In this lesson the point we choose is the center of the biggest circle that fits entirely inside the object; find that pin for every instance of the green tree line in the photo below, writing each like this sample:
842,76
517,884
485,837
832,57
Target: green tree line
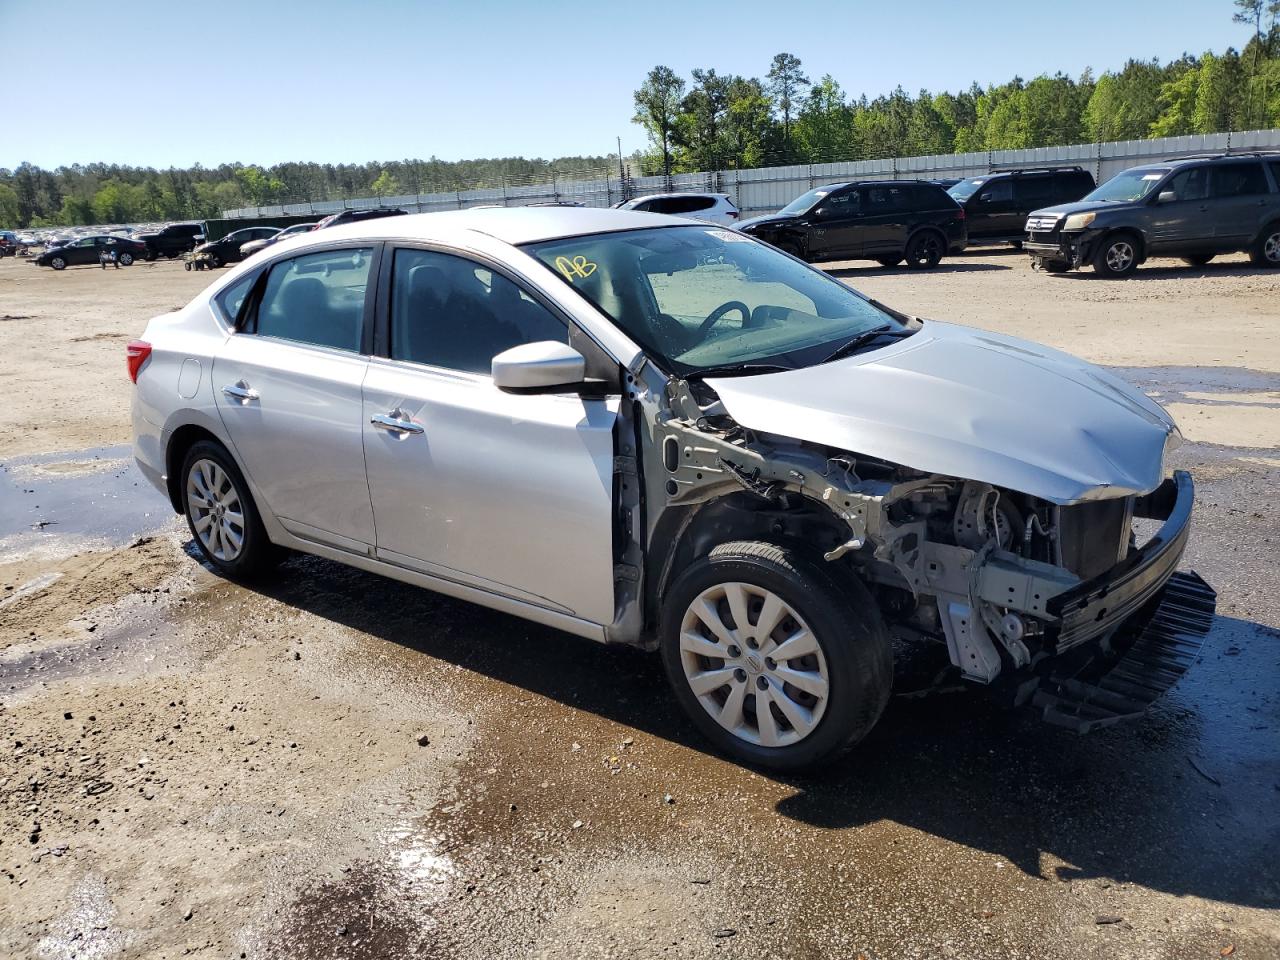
718,121
721,121
111,193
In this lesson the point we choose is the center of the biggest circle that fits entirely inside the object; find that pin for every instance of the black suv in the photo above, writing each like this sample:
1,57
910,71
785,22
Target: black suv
1193,208
884,220
996,205
173,240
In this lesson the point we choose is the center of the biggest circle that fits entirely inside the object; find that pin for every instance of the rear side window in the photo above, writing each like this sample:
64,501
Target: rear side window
886,199
931,197
1034,191
450,312
317,299
1275,172
231,299
1071,186
1238,180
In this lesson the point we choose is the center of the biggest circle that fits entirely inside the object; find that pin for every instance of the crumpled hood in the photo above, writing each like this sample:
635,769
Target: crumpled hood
766,221
972,405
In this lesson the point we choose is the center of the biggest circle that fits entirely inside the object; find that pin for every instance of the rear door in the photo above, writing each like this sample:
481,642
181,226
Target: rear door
1240,202
1031,191
287,387
509,494
887,217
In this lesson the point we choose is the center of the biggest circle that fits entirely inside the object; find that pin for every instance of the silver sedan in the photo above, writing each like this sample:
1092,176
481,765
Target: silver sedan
651,432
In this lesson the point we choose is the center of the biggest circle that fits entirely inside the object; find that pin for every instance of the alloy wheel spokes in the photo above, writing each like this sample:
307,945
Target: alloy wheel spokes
217,516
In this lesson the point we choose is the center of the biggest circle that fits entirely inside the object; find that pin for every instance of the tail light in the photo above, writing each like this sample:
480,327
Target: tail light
961,216
732,213
136,353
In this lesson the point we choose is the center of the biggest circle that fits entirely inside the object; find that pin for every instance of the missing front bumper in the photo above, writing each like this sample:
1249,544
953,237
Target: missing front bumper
1138,664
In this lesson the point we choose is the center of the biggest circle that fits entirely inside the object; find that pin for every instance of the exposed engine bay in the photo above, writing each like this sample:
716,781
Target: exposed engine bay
986,570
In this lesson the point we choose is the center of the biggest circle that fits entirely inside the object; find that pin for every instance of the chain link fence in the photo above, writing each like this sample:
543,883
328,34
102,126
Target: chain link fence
766,189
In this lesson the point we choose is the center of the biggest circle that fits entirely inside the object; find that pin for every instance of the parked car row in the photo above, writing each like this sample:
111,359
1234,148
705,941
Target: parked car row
1195,208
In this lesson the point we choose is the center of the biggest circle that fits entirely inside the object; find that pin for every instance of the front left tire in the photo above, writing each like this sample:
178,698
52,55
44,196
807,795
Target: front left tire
221,514
126,259
776,662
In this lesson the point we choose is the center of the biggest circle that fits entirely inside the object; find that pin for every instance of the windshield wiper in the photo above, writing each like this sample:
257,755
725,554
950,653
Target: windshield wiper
729,369
862,339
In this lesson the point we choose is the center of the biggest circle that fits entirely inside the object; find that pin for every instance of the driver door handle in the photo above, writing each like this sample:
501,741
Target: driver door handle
395,424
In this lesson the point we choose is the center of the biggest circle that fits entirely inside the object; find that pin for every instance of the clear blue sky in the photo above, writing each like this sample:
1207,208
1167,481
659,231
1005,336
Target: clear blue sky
176,82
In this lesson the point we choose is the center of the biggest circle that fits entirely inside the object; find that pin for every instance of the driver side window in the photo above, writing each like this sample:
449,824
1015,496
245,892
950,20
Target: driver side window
841,205
454,313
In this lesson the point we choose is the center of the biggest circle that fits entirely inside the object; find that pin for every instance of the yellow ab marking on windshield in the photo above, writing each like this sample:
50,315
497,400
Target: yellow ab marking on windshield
578,267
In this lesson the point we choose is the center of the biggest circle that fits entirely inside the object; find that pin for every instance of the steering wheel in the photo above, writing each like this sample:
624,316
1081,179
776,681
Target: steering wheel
716,315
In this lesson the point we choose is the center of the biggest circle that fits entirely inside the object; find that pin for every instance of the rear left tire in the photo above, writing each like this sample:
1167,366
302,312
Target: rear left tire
776,662
1266,250
221,514
126,259
924,250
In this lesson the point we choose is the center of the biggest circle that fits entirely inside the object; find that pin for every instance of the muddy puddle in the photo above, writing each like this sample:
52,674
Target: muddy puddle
95,495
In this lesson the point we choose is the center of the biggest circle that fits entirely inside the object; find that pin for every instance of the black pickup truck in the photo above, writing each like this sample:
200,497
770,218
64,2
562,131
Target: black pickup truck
173,240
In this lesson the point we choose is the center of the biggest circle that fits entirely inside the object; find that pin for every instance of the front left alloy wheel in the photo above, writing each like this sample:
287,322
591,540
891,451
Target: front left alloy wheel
221,514
774,661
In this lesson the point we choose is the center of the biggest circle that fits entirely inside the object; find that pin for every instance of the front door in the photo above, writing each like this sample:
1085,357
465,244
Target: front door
511,494
288,391
1181,222
993,213
837,226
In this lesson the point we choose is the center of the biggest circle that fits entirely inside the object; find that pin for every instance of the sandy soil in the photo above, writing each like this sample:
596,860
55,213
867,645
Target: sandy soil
334,765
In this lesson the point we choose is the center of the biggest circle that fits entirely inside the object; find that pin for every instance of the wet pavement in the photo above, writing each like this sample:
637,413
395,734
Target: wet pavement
544,797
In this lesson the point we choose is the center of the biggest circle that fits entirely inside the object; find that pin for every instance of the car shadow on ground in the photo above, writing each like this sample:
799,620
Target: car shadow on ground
1132,803
1179,271
843,270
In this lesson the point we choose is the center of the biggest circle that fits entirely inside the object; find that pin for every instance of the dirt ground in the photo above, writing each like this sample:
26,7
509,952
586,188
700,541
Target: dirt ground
336,765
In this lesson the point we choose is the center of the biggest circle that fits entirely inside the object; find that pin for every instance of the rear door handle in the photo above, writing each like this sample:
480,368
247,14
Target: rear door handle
240,391
393,423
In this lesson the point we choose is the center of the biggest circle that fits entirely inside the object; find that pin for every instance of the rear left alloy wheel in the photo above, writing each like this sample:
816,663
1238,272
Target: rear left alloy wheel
774,661
221,513
126,259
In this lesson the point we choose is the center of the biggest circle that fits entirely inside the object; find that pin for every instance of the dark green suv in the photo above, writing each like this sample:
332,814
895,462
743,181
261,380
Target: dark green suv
1194,208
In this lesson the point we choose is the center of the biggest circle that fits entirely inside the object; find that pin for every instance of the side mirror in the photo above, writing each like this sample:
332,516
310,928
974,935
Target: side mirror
543,367
1166,196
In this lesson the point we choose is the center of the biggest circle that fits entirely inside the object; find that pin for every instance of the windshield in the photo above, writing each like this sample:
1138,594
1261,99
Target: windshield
965,189
1128,186
806,201
696,298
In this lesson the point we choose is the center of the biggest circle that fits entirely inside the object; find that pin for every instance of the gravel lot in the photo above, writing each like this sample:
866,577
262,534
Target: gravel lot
336,765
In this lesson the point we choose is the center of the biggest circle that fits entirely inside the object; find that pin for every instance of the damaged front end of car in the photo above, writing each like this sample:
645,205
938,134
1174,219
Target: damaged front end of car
1055,604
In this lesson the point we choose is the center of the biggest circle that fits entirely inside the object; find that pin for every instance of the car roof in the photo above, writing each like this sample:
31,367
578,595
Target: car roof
513,225
678,193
